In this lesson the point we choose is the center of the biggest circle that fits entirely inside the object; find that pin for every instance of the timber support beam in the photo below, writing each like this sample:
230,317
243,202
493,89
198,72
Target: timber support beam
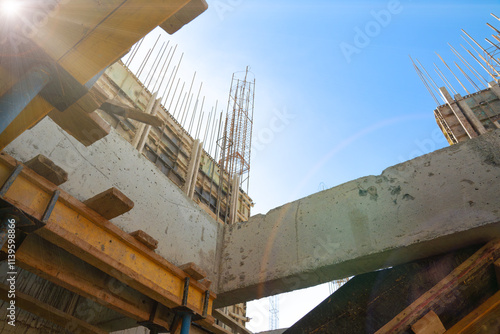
72,226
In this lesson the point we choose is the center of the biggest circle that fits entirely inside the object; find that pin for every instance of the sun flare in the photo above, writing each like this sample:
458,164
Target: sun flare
10,7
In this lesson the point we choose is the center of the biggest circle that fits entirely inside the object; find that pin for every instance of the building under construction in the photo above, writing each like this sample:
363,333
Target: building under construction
122,212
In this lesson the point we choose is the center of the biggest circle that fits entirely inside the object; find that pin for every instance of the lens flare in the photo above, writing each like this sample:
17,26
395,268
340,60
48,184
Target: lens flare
10,7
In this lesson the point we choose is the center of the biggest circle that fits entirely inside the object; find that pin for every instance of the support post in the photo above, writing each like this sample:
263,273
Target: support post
21,94
464,122
476,123
235,194
194,166
142,126
186,323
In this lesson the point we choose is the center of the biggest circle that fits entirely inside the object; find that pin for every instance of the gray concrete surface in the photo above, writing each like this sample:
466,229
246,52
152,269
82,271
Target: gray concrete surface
185,233
435,203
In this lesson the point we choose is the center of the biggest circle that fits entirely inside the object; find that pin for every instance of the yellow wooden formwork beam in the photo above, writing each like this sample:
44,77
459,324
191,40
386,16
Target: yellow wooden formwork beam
86,36
88,236
109,32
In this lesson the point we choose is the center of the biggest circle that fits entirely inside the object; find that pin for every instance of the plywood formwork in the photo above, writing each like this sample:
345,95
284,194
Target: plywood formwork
484,109
169,146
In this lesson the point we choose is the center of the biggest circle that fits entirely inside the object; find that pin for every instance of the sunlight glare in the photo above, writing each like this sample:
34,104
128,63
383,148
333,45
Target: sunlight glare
10,7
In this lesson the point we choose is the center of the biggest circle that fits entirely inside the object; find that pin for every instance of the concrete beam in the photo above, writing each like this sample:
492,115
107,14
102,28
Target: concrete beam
433,204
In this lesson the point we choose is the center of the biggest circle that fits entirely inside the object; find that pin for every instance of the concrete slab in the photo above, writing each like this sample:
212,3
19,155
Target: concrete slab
185,233
430,205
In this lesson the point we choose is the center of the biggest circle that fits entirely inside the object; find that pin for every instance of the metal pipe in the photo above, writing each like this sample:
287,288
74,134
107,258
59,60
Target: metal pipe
163,74
131,59
186,323
189,94
477,60
13,102
154,67
175,74
471,69
479,54
435,86
445,80
492,27
424,81
456,77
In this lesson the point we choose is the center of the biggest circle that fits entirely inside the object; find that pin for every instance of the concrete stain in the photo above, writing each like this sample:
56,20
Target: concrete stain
395,190
373,193
408,197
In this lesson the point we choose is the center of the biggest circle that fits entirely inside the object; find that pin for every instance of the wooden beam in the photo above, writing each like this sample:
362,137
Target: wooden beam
429,324
185,15
194,271
49,313
132,113
484,319
86,128
145,238
444,289
88,236
59,267
109,38
45,167
110,203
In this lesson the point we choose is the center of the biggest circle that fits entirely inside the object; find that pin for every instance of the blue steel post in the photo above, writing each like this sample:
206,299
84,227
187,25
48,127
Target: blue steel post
186,323
21,94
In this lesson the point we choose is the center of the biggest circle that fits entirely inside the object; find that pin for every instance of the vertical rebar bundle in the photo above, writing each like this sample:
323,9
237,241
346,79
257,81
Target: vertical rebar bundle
479,66
236,140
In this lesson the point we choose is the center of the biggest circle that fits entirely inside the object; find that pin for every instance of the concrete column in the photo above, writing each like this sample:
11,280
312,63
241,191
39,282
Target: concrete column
235,194
142,127
193,167
480,129
196,170
458,113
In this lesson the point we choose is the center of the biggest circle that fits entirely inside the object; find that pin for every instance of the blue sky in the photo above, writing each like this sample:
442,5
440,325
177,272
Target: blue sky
345,119
321,120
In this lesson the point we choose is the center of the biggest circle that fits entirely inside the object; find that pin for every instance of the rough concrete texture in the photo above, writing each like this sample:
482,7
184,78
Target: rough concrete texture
185,233
433,204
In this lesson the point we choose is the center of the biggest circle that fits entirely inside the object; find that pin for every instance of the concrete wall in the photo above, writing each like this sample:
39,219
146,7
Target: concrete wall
435,203
184,231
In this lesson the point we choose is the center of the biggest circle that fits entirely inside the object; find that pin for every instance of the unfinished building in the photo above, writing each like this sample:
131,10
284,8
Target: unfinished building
119,218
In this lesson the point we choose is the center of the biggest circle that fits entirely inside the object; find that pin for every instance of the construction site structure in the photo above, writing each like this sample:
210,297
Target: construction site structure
106,241
165,142
477,72
236,140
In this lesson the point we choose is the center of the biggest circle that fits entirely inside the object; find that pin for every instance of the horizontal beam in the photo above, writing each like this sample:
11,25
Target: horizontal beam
49,313
132,113
413,210
85,234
